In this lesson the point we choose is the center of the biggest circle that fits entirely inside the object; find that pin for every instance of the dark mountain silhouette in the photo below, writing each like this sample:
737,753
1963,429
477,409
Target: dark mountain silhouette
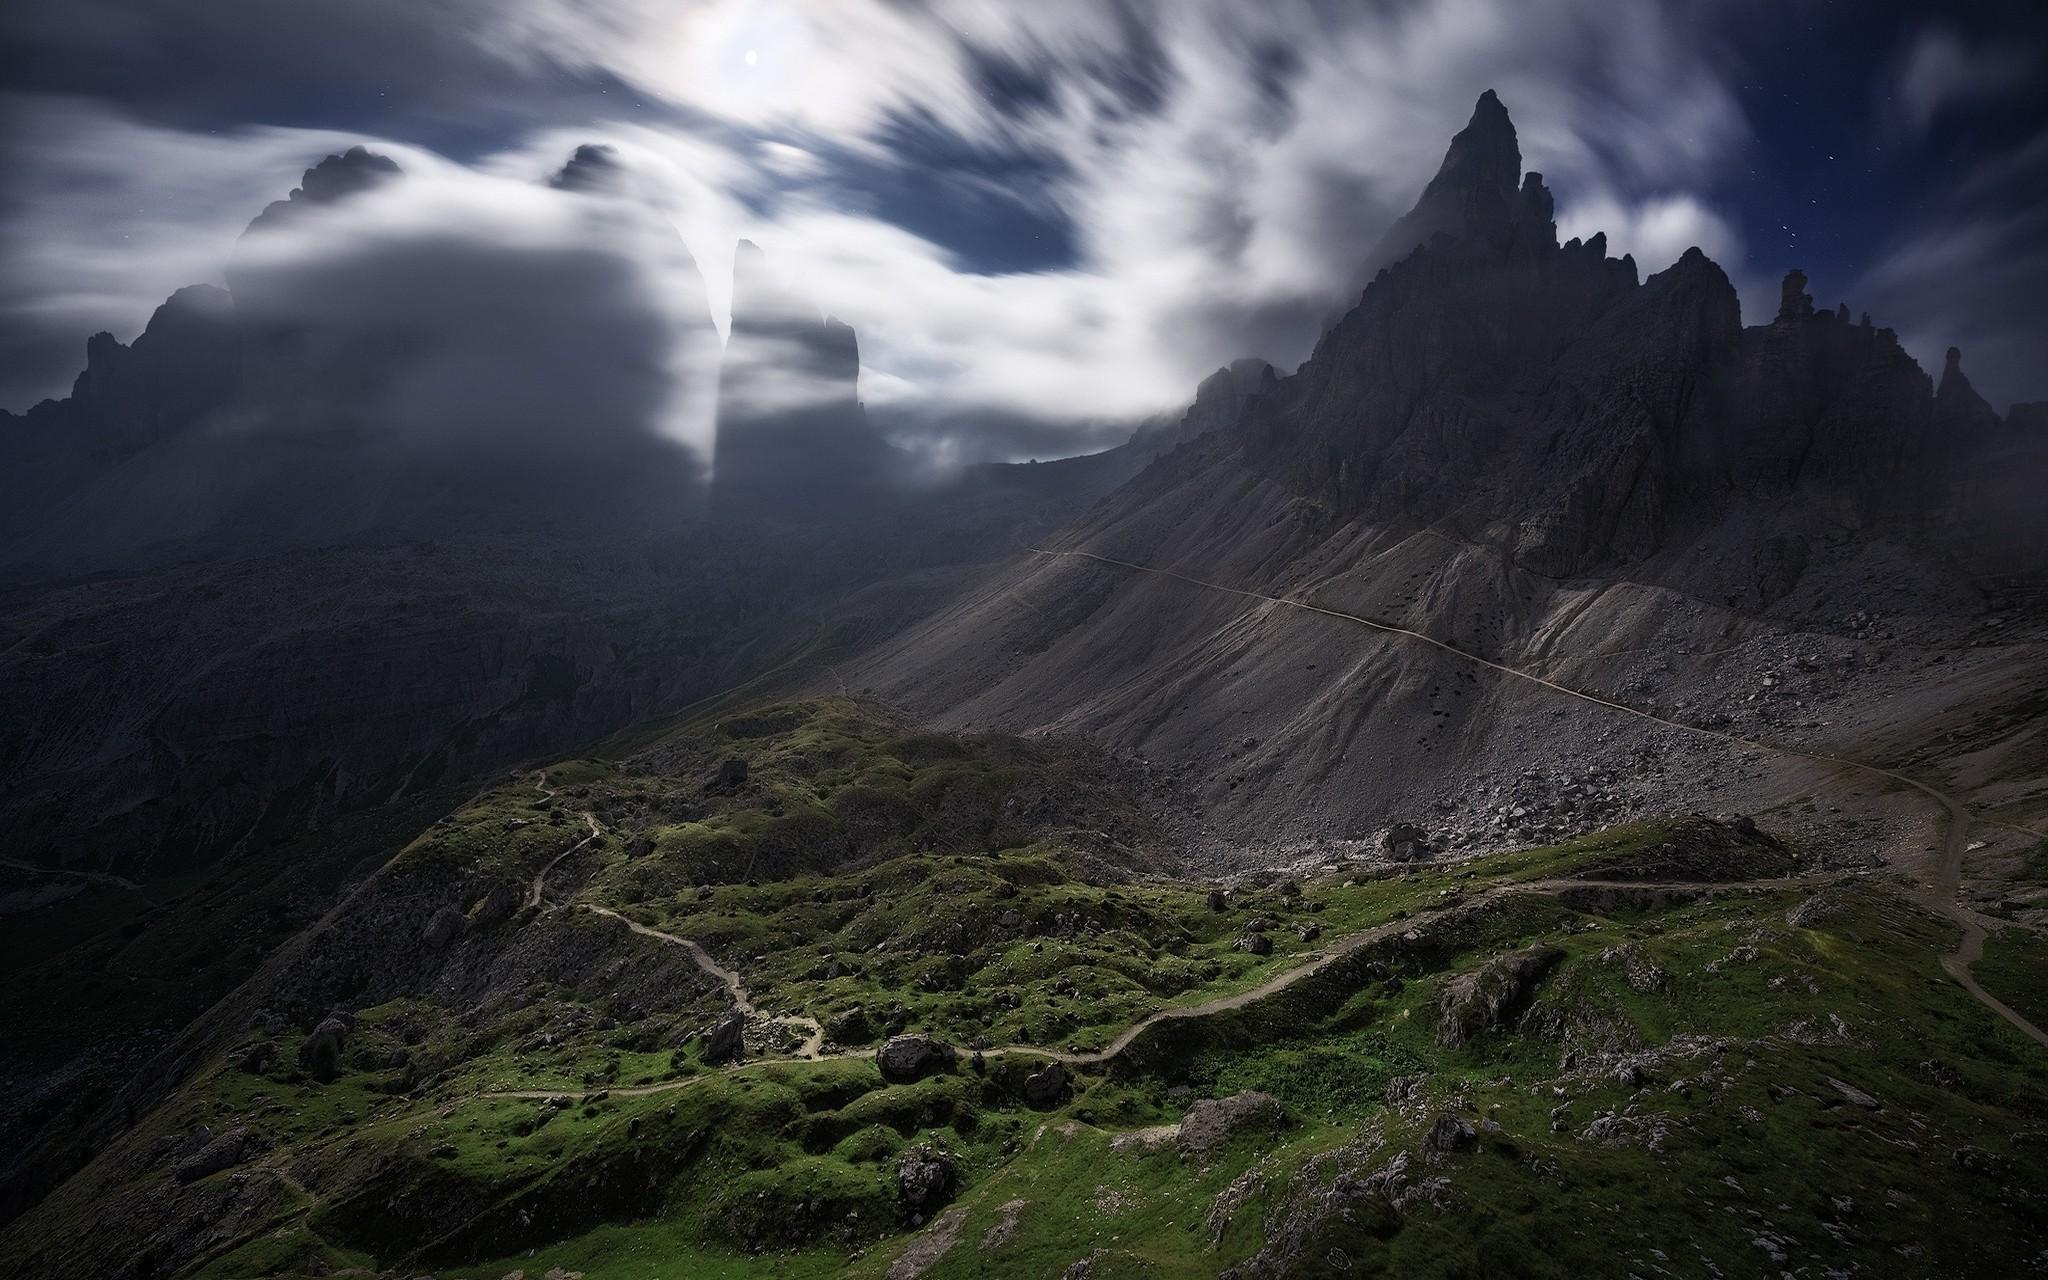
1522,448
791,426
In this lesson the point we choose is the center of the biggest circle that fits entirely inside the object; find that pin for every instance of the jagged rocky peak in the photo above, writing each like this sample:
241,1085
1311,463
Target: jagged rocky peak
790,421
1485,154
594,167
1479,195
334,179
1794,302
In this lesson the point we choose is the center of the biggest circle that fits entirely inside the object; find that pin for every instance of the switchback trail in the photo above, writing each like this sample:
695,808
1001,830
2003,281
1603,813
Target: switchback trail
540,879
1939,897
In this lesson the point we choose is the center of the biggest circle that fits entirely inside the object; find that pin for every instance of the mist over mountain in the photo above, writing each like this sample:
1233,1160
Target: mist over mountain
974,642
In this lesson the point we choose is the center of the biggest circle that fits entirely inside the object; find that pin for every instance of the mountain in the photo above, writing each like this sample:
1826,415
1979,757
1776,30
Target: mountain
1258,850
791,426
1524,451
337,537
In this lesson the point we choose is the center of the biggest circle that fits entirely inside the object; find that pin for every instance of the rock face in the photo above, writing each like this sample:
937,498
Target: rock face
334,179
903,1059
791,426
1490,374
1493,996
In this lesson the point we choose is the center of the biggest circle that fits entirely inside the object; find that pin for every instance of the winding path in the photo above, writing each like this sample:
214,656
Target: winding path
735,986
1940,897
536,892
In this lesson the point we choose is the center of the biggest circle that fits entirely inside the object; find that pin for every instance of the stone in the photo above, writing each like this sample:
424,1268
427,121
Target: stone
1257,944
445,927
225,1152
925,1180
850,1026
903,1059
1405,842
1451,1134
1045,1088
1211,1123
496,907
1853,1096
1217,902
726,1041
320,1051
1493,996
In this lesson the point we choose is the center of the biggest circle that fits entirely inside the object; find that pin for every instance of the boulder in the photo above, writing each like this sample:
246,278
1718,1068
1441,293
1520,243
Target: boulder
849,1027
1257,944
496,907
1217,902
903,1059
1451,1133
320,1051
446,926
225,1152
726,1040
925,1180
1210,1123
1045,1088
1405,842
1492,996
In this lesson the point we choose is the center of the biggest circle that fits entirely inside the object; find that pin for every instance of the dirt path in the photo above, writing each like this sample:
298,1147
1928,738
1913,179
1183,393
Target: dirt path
538,889
1314,963
735,986
1940,897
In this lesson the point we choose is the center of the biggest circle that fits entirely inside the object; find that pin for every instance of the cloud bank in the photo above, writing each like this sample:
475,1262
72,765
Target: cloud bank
1040,219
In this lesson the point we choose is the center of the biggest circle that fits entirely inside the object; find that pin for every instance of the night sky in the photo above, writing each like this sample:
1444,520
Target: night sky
1047,219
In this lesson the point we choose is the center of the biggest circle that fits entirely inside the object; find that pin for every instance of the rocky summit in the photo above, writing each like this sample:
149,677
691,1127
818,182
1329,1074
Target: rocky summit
1552,784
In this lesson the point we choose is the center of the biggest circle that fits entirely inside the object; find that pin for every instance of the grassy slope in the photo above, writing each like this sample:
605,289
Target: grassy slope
903,852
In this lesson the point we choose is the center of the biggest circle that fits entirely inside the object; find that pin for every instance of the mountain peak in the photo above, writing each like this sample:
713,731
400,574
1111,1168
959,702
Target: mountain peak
594,167
1478,193
334,179
1485,153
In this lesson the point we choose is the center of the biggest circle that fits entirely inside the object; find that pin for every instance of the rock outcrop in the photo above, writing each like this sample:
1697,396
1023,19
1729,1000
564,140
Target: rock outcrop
1493,996
791,426
904,1059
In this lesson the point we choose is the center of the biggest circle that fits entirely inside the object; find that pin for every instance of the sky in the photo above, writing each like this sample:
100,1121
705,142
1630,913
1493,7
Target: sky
1044,219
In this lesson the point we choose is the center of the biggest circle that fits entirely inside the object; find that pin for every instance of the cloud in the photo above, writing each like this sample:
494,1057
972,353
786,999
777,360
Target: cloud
467,314
1943,72
1970,272
1204,176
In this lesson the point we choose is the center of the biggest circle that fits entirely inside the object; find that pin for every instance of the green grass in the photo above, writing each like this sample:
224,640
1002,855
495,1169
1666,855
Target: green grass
961,886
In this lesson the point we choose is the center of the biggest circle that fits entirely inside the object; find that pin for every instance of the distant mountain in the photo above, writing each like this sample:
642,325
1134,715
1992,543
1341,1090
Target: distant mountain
791,425
1523,449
